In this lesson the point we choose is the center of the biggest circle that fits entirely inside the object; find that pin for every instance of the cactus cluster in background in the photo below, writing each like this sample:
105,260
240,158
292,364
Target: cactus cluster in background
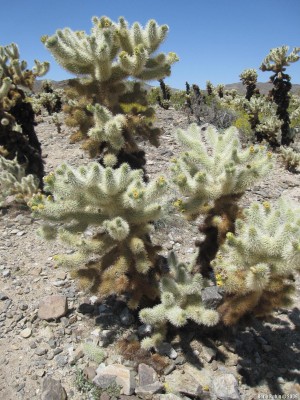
119,258
290,158
180,294
14,182
17,134
256,265
212,175
111,54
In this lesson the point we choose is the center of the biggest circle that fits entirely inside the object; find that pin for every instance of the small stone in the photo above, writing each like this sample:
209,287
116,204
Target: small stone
153,388
53,390
3,296
41,352
183,383
26,333
146,375
179,360
165,349
211,297
89,373
53,307
208,354
144,330
225,387
6,273
86,308
116,373
126,317
267,348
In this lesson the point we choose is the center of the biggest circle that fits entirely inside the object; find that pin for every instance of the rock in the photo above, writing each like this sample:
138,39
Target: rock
169,396
153,388
3,296
53,307
208,354
144,330
53,390
26,333
89,373
146,375
126,317
165,349
225,387
211,297
86,308
183,383
119,374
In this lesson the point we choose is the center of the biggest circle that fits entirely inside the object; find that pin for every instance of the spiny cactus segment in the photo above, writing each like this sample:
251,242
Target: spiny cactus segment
180,294
256,265
14,182
118,206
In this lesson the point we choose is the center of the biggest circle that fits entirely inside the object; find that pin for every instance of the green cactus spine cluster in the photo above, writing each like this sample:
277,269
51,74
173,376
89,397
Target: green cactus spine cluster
111,54
118,206
181,300
256,266
14,182
17,133
212,175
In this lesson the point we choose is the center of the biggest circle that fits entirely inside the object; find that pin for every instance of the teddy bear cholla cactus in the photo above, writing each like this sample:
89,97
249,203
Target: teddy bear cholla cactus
17,133
291,158
277,61
14,182
256,266
120,257
181,301
249,79
108,56
212,176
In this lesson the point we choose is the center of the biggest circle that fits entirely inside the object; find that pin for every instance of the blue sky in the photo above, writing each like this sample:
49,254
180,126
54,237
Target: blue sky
214,39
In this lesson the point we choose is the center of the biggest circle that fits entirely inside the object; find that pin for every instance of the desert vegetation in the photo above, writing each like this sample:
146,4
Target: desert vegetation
107,210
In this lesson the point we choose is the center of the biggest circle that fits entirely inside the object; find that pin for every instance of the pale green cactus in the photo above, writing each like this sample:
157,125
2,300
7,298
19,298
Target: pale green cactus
249,79
181,301
14,182
119,206
256,266
107,57
112,51
215,165
291,158
277,60
212,175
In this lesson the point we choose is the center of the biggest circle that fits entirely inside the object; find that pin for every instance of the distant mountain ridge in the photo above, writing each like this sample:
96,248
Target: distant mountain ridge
264,87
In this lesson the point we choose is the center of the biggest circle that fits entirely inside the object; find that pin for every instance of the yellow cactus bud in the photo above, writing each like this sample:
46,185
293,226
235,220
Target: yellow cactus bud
269,154
251,149
266,205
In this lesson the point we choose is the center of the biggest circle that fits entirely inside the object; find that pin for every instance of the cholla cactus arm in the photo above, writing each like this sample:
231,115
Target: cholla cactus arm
119,206
212,175
180,300
249,79
14,182
290,158
217,167
111,50
256,265
278,59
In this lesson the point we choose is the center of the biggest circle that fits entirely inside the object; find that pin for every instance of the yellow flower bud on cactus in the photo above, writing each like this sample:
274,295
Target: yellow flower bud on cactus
266,205
251,149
